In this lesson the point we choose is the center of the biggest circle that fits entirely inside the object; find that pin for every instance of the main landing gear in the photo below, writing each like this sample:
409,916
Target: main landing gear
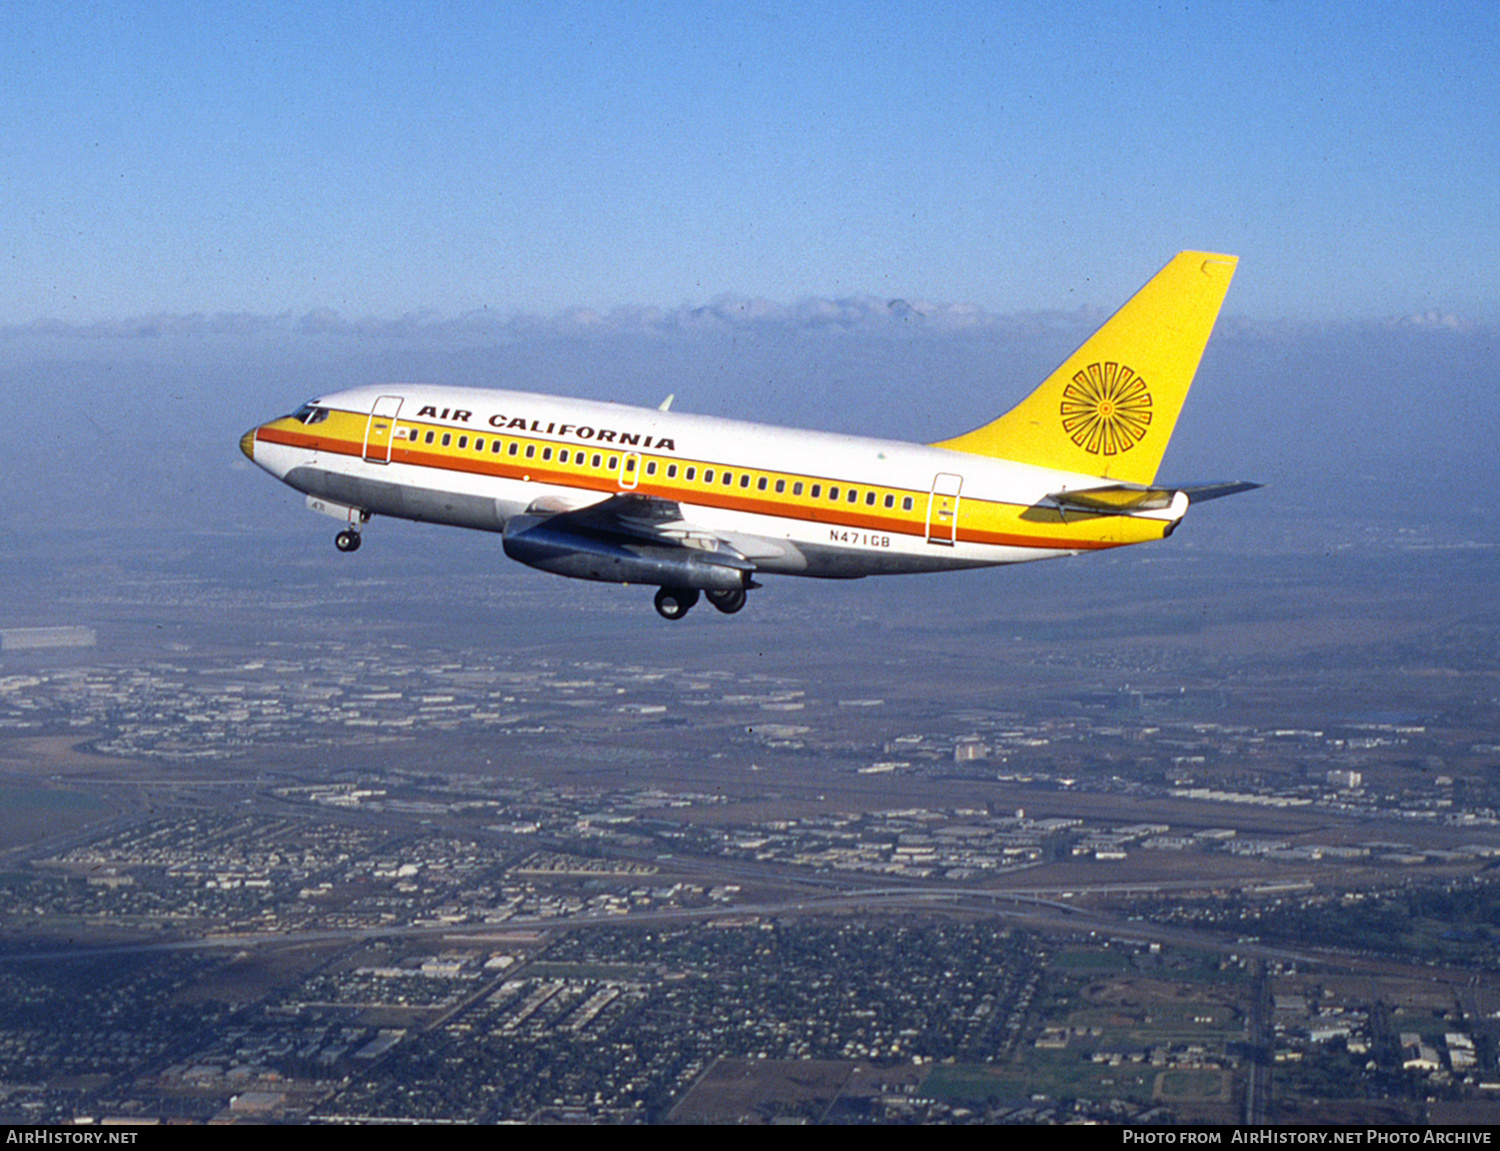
728,601
676,602
347,540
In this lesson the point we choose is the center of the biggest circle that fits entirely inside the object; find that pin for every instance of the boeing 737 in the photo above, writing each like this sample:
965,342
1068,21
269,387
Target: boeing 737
692,504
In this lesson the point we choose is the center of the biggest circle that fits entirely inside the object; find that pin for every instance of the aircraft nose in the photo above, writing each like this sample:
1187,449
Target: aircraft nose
247,444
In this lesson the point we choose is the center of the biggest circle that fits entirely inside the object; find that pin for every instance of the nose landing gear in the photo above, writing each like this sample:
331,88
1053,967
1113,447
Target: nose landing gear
347,540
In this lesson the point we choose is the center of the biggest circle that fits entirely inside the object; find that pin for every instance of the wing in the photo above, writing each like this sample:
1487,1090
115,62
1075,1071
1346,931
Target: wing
625,538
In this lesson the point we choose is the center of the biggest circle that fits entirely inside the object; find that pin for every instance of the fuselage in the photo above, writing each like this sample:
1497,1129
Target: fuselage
792,502
698,506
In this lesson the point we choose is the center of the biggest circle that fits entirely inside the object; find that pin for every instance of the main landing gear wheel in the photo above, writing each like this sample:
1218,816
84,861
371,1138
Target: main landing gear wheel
347,540
728,600
675,602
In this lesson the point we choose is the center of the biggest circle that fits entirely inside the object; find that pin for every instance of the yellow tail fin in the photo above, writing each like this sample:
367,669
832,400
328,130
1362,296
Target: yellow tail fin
1110,408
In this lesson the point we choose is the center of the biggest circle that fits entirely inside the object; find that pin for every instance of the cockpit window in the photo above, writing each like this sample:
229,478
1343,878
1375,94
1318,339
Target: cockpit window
310,414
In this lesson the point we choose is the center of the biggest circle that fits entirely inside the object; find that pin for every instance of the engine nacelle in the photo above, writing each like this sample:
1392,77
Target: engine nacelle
540,542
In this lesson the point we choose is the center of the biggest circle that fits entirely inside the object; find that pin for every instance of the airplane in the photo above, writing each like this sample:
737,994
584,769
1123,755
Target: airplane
695,504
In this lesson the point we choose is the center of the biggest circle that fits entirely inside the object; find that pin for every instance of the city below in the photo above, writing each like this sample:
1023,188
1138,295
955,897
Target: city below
1206,841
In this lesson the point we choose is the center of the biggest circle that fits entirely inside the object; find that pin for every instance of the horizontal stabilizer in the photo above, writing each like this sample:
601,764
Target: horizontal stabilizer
1125,498
1216,490
1118,498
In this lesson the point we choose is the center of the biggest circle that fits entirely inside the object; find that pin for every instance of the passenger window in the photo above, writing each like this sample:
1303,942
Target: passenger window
797,488
817,490
447,438
496,445
463,441
562,456
708,475
514,448
478,444
530,451
853,496
595,462
906,504
728,480
429,438
546,453
671,471
890,501
833,493
869,499
687,475
745,482
780,486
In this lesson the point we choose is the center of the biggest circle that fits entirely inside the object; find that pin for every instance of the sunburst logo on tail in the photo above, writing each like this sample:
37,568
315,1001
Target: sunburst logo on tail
1106,409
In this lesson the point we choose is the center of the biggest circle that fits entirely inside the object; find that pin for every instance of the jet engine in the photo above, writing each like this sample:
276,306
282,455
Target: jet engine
565,549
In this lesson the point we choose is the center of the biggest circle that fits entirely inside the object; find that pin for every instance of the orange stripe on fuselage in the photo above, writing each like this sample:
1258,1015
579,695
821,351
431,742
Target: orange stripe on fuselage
607,481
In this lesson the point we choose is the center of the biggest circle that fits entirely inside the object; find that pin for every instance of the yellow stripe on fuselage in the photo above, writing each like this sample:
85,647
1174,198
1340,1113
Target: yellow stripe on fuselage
981,521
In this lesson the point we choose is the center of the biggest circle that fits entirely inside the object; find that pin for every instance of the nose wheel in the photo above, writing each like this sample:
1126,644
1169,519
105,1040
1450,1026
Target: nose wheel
347,540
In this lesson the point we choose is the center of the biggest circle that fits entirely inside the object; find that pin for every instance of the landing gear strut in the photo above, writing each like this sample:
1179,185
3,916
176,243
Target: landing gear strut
347,540
675,602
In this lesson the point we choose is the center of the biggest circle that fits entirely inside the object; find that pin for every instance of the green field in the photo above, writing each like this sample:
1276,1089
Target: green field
1056,1074
1084,960
1156,1021
28,814
624,972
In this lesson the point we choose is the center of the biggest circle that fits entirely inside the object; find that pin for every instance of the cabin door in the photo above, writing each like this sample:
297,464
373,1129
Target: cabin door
379,429
942,509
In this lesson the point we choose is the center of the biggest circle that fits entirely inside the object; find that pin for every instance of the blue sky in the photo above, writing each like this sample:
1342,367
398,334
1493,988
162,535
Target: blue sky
385,158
